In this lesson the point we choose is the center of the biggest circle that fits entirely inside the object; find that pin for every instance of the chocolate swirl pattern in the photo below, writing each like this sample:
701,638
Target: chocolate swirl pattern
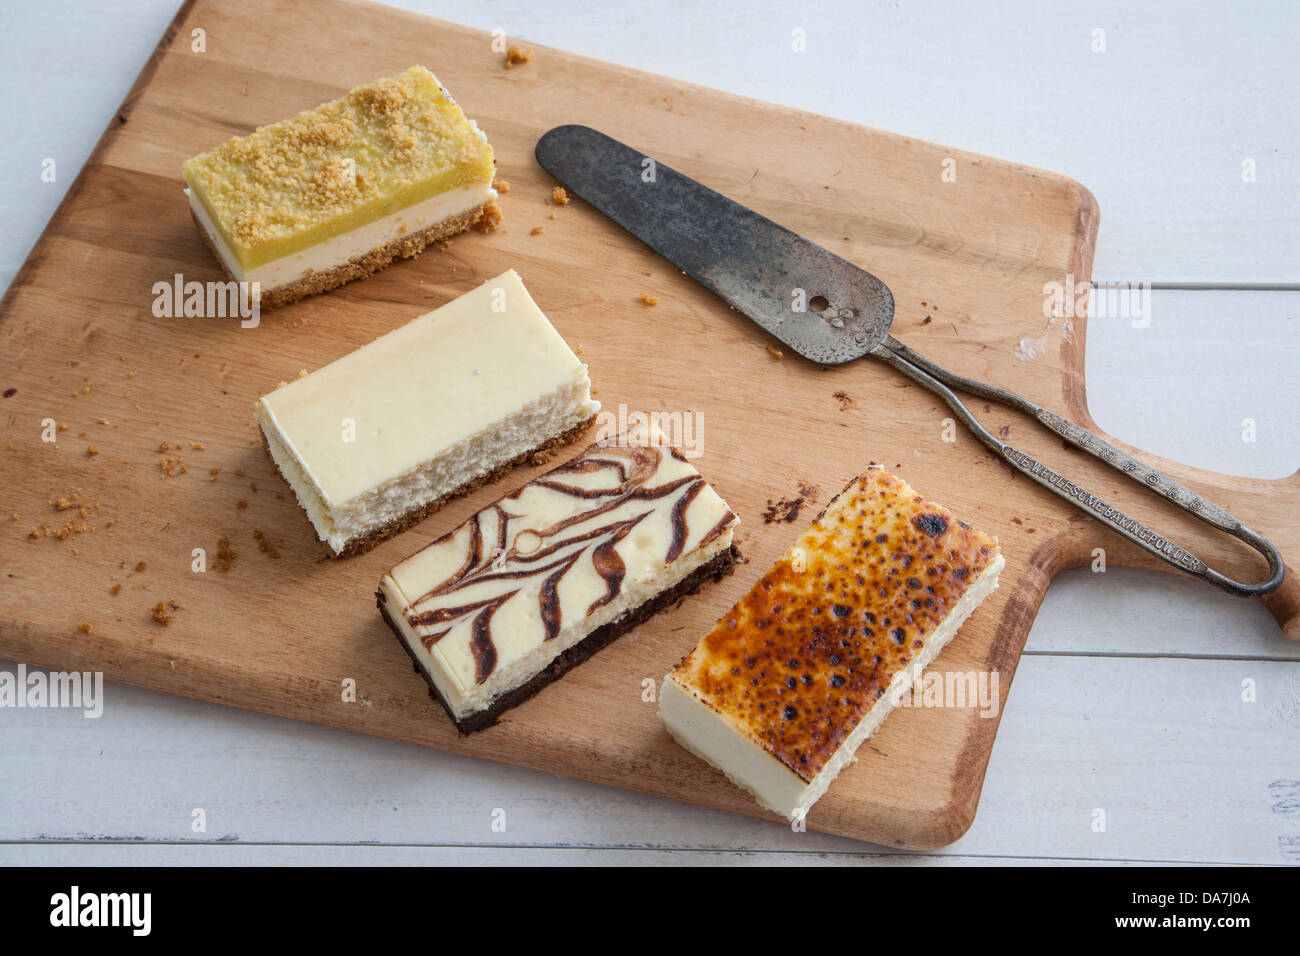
565,553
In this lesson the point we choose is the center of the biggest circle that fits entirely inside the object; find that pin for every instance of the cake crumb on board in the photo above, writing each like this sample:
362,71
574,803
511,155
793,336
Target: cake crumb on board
225,556
518,56
787,510
490,219
264,545
161,612
560,195
172,465
649,299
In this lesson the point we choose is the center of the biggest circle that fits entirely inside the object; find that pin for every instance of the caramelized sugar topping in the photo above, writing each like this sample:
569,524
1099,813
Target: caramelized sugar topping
799,661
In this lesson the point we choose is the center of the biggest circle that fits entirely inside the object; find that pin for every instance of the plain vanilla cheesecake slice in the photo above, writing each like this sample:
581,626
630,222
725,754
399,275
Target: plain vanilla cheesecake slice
789,683
542,579
338,192
376,440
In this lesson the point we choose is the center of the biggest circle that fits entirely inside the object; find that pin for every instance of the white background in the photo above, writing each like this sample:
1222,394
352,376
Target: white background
1128,698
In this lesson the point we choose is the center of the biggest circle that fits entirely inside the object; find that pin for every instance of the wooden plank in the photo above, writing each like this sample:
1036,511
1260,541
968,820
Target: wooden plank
1184,769
1149,742
118,854
1241,349
1155,135
1134,613
979,253
992,80
101,47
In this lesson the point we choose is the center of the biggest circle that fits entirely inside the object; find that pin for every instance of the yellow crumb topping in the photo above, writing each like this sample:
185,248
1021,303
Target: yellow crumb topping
382,147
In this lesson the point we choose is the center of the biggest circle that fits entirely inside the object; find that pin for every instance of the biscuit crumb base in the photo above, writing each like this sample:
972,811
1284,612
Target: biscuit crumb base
539,455
403,247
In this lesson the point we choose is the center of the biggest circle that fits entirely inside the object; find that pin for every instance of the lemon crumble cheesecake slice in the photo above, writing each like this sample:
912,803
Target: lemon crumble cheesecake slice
537,582
373,442
338,192
782,691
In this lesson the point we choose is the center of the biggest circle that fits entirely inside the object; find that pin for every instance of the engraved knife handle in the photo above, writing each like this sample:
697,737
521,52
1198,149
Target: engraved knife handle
940,381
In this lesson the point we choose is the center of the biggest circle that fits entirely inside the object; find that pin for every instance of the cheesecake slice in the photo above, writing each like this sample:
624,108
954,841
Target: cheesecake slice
787,685
338,192
542,579
376,440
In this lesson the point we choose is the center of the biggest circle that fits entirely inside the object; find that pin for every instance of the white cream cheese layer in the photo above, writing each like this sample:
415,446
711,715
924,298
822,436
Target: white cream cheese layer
342,249
710,735
487,607
423,410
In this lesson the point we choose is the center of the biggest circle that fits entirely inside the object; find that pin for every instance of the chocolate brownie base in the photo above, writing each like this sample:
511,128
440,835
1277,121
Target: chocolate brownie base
534,456
403,247
718,568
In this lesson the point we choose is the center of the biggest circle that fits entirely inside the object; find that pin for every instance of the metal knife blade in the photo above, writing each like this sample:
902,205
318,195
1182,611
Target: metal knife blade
768,273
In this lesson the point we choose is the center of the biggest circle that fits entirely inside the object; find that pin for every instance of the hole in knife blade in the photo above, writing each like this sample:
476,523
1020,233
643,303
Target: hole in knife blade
819,303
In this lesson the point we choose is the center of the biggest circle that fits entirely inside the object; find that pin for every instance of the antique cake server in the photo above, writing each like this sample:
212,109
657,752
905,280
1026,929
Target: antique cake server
755,265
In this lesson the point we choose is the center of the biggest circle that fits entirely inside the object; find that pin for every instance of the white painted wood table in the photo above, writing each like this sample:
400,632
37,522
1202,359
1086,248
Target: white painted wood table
1129,698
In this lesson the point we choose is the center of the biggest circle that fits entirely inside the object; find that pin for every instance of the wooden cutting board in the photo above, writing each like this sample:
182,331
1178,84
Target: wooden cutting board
968,261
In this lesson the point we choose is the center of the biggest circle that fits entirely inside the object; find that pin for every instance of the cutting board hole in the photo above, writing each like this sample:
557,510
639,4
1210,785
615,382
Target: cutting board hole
819,303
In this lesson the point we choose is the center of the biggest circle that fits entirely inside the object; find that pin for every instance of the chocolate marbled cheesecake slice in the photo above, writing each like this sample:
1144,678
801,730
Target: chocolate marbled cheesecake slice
543,578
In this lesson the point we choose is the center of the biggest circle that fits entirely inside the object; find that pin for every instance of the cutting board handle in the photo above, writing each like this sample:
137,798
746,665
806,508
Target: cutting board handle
1284,604
942,382
1263,504
1077,548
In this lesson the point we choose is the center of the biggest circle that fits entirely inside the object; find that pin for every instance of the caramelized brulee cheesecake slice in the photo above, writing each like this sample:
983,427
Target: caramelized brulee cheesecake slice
542,579
783,690
338,192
